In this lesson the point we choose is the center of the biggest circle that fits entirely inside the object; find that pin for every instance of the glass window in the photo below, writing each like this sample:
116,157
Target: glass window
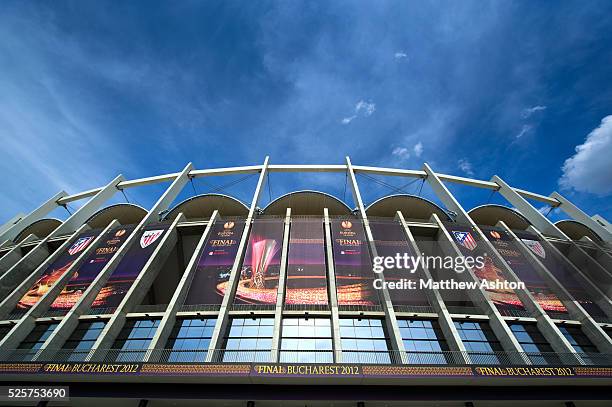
134,339
480,341
249,340
534,344
35,340
423,341
82,339
189,339
581,343
306,341
363,341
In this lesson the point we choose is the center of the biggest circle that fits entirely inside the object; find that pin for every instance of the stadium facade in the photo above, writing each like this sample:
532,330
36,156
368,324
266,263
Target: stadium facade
214,302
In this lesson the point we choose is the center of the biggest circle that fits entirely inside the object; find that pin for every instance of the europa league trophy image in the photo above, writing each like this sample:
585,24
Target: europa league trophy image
263,252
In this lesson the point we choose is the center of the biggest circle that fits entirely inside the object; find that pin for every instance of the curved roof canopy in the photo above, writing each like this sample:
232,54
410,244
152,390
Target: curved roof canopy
491,214
41,228
411,206
576,230
307,203
202,206
125,213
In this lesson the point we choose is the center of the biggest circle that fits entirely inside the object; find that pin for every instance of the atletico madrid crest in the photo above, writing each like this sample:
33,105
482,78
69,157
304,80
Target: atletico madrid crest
149,236
79,245
535,247
465,239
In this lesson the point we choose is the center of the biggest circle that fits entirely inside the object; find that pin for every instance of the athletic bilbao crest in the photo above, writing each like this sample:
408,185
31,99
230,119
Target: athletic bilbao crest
79,245
535,247
465,239
149,236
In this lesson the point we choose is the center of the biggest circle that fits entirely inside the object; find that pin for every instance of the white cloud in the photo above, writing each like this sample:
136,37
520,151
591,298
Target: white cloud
349,119
401,152
531,110
465,166
400,55
367,108
590,169
418,149
524,130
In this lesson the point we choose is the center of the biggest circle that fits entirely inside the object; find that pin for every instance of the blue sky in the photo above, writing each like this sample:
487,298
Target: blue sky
518,89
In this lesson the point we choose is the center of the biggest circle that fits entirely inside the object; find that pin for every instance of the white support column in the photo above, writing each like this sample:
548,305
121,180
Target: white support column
27,322
390,318
7,305
548,329
280,294
14,254
601,296
84,303
331,283
574,309
178,298
577,214
217,337
12,232
38,254
9,224
435,298
133,297
527,210
480,297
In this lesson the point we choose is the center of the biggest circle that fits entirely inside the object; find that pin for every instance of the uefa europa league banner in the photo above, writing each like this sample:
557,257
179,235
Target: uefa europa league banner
508,249
469,245
129,267
353,264
215,263
559,268
89,270
261,266
57,269
390,240
306,269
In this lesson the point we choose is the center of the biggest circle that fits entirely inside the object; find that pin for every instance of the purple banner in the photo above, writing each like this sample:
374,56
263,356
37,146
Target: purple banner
215,263
57,269
89,270
306,269
470,245
390,240
353,264
129,267
522,267
259,273
561,270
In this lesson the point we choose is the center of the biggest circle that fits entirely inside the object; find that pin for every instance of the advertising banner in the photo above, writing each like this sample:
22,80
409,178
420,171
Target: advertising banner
390,241
56,269
89,270
523,268
261,266
306,269
215,263
469,244
561,270
129,267
352,264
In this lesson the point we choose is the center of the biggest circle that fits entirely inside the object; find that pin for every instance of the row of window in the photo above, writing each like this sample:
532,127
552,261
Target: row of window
310,341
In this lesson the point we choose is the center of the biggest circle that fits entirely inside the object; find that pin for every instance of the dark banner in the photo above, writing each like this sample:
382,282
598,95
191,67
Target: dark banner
523,268
57,269
469,244
89,270
390,240
215,263
561,270
129,267
352,264
261,266
306,269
